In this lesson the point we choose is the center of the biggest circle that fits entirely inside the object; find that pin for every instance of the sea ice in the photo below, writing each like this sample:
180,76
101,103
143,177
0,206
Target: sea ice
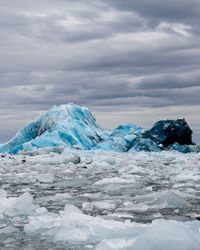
112,200
72,225
163,199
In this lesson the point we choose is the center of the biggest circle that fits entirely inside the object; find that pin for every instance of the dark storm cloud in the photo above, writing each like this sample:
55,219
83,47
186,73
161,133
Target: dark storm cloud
107,55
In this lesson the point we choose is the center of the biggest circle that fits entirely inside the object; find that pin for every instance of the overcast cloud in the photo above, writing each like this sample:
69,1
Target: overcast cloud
128,61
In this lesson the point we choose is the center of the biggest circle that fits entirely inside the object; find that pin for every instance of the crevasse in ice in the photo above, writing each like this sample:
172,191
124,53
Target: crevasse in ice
72,126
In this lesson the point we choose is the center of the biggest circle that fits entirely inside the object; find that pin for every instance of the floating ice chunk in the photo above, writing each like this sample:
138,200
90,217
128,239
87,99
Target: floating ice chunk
102,205
45,178
74,226
8,230
3,193
170,200
71,158
23,205
161,234
163,199
88,206
171,235
41,210
114,180
115,183
59,197
111,244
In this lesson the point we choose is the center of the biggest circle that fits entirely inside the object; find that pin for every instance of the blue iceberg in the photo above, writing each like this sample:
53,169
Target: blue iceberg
144,144
166,135
72,126
167,132
120,139
184,148
66,125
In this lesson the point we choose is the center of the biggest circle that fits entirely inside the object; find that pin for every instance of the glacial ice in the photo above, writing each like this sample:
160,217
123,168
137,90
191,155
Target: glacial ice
74,127
167,132
166,135
120,139
66,125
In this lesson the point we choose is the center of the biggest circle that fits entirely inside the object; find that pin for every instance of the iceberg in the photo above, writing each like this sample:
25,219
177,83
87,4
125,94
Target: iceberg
166,135
66,125
120,139
184,148
73,127
167,132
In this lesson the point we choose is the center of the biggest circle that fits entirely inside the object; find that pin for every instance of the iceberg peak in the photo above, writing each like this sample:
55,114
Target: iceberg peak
64,125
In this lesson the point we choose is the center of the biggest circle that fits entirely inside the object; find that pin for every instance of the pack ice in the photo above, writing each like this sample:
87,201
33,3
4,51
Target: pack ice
130,201
71,126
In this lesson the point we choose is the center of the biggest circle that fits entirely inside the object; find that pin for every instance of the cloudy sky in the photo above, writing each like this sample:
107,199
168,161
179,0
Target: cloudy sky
126,60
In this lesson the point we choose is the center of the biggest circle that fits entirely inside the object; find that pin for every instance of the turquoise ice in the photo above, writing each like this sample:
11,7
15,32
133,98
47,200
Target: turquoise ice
73,127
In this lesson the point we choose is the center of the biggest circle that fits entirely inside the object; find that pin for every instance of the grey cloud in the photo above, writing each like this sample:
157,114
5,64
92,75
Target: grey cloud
167,10
167,81
107,55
